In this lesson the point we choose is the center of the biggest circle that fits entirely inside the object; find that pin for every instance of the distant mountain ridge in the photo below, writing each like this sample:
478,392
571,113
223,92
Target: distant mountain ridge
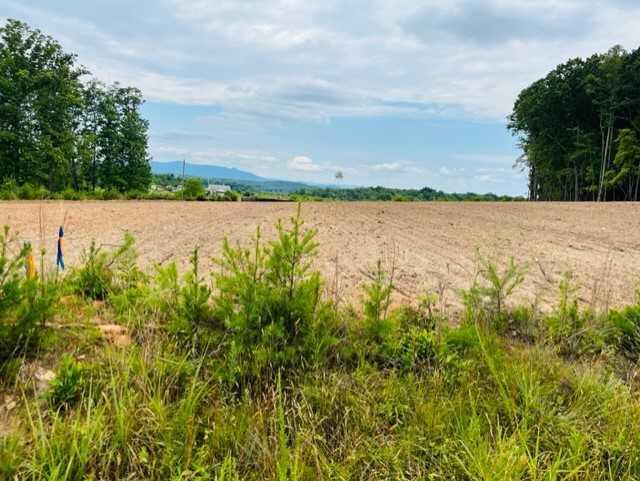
238,179
204,171
246,182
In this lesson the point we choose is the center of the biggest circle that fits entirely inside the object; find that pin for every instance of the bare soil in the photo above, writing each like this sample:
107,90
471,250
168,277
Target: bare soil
433,245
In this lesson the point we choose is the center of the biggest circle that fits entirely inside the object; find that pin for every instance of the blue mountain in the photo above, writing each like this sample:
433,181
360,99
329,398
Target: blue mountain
204,171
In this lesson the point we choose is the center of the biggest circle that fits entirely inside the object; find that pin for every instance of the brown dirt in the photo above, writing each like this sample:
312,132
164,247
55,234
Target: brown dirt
435,243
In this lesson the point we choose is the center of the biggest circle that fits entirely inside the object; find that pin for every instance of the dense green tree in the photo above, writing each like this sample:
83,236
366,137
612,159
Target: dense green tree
193,188
626,175
88,131
40,92
57,131
133,139
390,194
109,145
570,124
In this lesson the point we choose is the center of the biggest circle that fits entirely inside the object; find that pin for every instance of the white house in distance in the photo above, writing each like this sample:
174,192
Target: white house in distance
217,188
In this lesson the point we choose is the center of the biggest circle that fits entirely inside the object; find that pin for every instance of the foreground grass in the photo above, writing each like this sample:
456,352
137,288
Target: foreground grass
256,376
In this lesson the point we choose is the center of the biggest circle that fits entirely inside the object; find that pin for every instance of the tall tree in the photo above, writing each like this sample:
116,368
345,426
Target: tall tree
40,91
626,175
570,126
133,139
88,132
56,131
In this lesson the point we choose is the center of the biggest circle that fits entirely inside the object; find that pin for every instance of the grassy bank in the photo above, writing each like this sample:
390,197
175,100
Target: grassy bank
256,373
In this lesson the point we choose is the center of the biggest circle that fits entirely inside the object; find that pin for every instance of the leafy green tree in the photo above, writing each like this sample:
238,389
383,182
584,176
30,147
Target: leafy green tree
570,123
88,131
55,131
108,142
134,140
627,164
605,87
193,188
41,92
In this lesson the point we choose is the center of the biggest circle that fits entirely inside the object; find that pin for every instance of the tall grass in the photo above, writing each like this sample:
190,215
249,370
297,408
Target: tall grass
253,374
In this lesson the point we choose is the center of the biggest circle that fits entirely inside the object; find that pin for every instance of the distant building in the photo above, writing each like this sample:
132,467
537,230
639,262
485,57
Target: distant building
217,188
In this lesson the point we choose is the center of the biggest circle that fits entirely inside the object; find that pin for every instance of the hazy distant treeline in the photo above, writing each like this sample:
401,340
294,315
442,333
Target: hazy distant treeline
579,129
58,131
389,194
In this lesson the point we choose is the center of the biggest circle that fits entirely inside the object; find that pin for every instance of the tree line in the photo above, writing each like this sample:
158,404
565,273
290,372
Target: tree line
390,194
579,129
60,131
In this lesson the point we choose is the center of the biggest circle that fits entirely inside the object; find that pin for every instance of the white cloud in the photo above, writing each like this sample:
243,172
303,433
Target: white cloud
484,158
259,65
388,167
393,58
304,164
452,171
486,178
398,167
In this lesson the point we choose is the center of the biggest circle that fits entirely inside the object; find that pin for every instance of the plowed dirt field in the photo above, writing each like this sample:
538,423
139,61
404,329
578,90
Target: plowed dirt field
434,244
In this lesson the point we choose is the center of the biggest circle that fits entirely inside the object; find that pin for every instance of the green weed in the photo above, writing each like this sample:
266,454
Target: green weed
485,300
104,272
66,388
255,375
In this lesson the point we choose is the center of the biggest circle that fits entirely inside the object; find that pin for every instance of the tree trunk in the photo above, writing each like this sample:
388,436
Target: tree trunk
606,156
602,158
532,184
94,167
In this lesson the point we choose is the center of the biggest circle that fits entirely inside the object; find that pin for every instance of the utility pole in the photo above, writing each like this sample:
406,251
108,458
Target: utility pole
183,165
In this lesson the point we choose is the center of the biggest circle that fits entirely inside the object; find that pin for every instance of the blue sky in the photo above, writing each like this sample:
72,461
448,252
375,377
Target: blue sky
398,93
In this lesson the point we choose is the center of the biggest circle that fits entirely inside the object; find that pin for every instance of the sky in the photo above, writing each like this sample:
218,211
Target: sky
400,93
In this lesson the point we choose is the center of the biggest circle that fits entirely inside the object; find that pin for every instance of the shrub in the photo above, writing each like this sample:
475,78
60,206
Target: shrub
426,314
401,198
8,195
110,194
522,323
31,192
135,195
403,338
66,388
103,272
627,323
462,340
232,196
9,190
417,348
25,304
166,293
574,332
15,334
376,302
195,295
193,189
485,300
268,300
72,194
93,279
